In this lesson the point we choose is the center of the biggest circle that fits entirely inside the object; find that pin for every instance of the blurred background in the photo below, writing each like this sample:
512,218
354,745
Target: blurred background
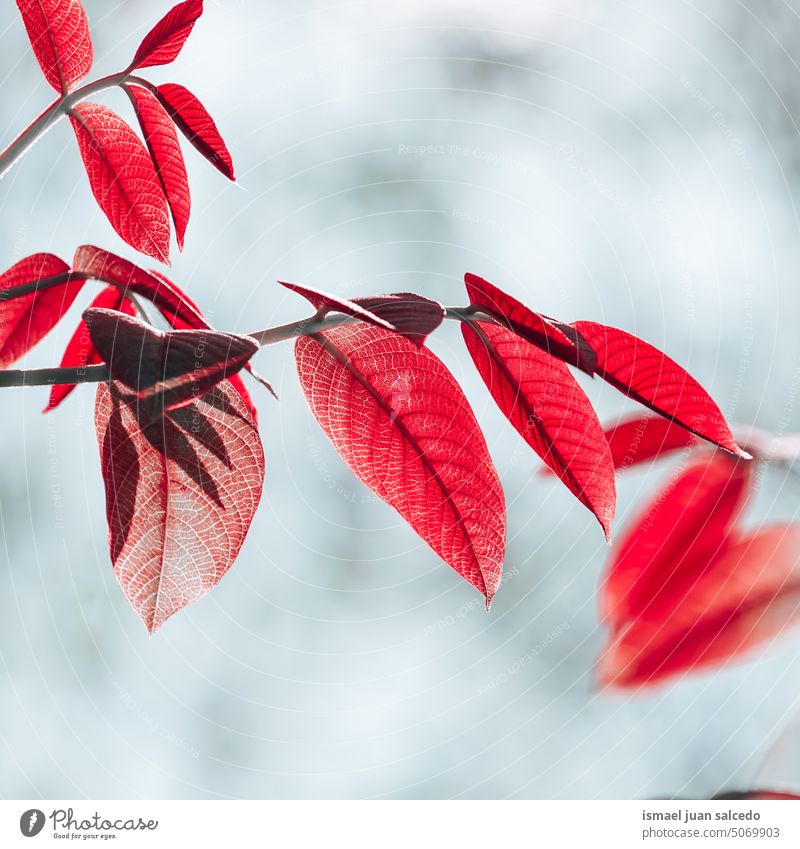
632,163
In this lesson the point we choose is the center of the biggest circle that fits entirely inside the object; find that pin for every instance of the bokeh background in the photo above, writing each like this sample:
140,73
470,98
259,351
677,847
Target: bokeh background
632,163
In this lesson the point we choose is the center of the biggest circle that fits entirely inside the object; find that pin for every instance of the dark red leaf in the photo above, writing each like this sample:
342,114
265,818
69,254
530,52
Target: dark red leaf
674,538
166,39
531,326
415,316
637,439
402,424
180,495
26,319
168,369
650,377
189,317
740,597
550,411
123,179
323,301
80,350
162,142
192,119
179,310
59,34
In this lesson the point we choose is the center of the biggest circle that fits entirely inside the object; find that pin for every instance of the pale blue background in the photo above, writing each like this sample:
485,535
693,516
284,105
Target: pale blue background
636,163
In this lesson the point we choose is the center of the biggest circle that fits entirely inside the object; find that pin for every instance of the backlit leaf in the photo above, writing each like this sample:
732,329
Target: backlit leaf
162,142
649,376
543,401
122,178
528,325
164,41
402,424
181,493
24,320
193,120
59,34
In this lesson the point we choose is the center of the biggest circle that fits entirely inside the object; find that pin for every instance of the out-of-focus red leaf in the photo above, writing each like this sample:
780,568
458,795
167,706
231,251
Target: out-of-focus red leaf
24,320
181,493
415,316
402,424
638,439
649,376
59,34
166,39
168,369
550,411
165,151
179,310
80,351
324,302
192,119
123,179
531,326
739,597
776,795
674,538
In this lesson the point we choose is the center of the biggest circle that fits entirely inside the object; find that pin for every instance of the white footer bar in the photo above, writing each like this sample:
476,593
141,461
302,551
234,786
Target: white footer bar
402,824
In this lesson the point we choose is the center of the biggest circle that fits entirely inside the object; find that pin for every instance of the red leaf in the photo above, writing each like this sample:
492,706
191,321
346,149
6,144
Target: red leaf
756,794
743,596
673,539
192,119
650,377
189,318
59,34
165,151
80,350
168,369
179,310
323,301
412,315
26,319
123,179
402,424
640,438
180,495
531,326
550,411
175,305
166,39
